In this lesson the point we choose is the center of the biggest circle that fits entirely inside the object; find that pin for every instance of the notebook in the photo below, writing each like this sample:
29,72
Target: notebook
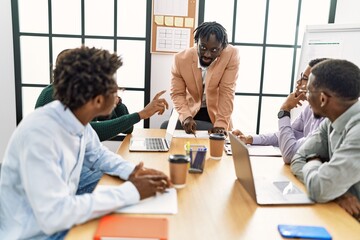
156,144
264,190
256,150
125,227
161,203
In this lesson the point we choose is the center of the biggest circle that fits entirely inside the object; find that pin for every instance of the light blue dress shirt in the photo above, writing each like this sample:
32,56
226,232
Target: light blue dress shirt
290,135
331,179
41,172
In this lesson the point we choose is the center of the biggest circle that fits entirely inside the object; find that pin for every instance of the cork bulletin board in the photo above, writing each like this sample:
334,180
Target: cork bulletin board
173,23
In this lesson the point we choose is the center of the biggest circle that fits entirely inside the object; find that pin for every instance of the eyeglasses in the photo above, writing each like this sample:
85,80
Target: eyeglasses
303,77
212,51
307,92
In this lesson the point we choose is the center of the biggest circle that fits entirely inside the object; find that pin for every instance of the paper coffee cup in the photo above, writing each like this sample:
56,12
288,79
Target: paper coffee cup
178,164
217,141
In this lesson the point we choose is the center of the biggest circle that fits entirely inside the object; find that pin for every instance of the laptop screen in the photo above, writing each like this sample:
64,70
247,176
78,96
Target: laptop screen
242,165
171,126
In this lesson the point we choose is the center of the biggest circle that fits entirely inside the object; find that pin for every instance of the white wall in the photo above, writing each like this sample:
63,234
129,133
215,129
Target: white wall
160,80
7,90
347,11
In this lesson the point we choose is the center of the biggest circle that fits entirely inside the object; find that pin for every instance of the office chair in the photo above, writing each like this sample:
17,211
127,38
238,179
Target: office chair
200,125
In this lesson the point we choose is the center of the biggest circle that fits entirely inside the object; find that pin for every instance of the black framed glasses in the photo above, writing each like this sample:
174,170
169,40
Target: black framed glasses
307,92
303,77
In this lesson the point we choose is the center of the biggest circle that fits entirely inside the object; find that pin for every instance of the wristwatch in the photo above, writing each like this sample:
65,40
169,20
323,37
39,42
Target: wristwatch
283,113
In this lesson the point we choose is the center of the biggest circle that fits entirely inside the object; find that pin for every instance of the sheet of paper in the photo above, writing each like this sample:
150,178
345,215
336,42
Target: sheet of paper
183,134
171,8
257,150
165,203
189,22
169,39
159,20
179,22
169,21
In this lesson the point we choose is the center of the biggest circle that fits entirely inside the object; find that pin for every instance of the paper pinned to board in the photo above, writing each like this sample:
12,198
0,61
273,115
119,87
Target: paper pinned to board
159,20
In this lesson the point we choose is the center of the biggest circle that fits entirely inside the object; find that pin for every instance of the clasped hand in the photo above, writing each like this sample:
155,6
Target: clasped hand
350,203
148,181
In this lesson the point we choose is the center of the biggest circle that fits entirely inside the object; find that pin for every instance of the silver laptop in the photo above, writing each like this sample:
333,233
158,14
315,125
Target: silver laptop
156,144
264,190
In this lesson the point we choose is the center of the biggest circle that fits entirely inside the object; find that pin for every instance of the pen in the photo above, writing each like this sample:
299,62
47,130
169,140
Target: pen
191,157
187,147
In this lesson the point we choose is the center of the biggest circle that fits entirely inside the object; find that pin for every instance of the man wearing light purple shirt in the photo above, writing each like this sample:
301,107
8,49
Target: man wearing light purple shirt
290,135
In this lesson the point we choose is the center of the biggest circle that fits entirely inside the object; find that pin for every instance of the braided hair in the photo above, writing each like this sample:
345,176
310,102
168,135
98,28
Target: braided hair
207,28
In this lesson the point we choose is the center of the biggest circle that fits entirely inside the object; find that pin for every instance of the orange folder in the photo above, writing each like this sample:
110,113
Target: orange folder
119,226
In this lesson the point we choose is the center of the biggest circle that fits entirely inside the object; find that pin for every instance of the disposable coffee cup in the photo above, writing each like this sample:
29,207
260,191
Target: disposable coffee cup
179,164
217,141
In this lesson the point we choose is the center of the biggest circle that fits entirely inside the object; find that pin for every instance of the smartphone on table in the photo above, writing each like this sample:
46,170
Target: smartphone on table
305,232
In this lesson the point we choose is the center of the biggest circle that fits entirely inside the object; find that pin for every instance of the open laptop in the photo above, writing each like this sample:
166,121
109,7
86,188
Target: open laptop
156,144
264,190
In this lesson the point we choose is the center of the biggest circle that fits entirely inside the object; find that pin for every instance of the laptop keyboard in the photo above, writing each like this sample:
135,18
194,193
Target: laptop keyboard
154,143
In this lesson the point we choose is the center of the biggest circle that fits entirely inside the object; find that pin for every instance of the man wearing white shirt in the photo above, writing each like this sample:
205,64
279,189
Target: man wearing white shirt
40,178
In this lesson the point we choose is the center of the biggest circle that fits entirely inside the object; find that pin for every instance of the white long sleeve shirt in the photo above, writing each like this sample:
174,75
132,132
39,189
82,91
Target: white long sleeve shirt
41,172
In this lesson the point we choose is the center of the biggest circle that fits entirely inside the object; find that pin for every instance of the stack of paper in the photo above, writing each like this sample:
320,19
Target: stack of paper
162,203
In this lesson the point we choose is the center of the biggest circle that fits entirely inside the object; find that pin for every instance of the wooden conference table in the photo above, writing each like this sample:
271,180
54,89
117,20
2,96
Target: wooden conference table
213,205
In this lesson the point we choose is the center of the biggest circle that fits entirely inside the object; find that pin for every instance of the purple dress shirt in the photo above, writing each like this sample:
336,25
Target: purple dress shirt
290,136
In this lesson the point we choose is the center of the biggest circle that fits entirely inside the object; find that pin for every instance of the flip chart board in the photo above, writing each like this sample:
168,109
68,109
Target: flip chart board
340,41
330,41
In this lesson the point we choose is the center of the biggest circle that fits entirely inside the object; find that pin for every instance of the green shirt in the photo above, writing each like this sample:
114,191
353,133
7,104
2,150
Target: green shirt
120,121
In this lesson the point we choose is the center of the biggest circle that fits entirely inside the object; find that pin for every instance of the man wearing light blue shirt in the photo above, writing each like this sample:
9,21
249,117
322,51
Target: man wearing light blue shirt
42,193
328,162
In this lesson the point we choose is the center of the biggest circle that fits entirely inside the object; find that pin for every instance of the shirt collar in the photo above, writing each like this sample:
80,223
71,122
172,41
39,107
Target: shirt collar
67,118
343,119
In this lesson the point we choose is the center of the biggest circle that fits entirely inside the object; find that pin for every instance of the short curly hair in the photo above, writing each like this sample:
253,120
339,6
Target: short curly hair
340,77
83,73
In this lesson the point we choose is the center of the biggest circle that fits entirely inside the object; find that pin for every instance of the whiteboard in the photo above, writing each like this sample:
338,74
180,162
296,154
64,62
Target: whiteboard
341,41
330,41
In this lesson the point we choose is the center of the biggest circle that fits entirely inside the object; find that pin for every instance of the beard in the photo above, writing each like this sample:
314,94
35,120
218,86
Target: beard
205,64
317,116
